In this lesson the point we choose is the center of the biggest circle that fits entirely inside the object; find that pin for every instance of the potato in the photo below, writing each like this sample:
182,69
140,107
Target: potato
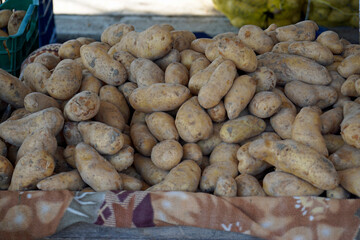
109,114
30,169
148,171
207,145
115,32
35,76
301,31
82,106
13,91
193,152
177,73
182,39
112,95
288,67
337,60
337,193
167,154
218,85
225,187
105,139
255,38
15,131
212,50
217,113
198,65
172,57
247,186
303,94
200,44
37,101
243,57
131,183
3,148
4,17
350,124
123,159
162,126
265,79
241,128
345,157
6,171
138,117
153,43
192,122
183,177
306,129
202,77
350,65
65,81
188,56
69,155
40,139
101,46
331,40
230,35
281,47
102,66
248,164
312,50
279,184
159,97
167,27
60,163
127,88
65,180
350,86
265,104
15,21
333,142
306,163
330,120
349,180
70,49
71,133
90,83
146,72
142,139
125,59
19,113
95,171
85,40
350,49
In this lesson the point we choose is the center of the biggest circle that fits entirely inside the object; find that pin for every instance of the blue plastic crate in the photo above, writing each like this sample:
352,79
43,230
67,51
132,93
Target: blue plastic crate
47,29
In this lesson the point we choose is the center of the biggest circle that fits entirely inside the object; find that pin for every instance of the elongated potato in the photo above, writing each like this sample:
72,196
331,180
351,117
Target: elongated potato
241,128
247,186
159,97
183,177
15,131
115,32
149,172
65,180
331,40
90,83
111,94
306,129
37,101
350,86
306,163
265,104
225,187
30,169
345,157
192,122
350,124
331,120
102,66
288,67
188,56
167,154
13,91
207,145
200,44
172,57
109,114
162,126
82,106
333,142
218,85
145,72
224,152
127,88
217,113
255,38
96,171
198,65
142,138
6,171
4,17
248,164
125,58
35,76
15,21
177,73
312,50
182,39
123,159
301,31
70,49
279,184
350,65
349,179
281,47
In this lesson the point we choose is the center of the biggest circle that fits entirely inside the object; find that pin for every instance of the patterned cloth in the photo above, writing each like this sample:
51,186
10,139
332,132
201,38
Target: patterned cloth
36,214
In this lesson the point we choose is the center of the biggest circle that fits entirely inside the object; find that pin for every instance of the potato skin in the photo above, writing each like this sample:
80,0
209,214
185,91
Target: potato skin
331,120
125,58
70,49
265,104
248,164
207,145
105,139
111,94
13,91
217,113
198,65
109,114
225,187
37,101
331,40
115,32
345,157
145,72
65,81
265,79
304,30
123,159
172,57
350,124
30,169
35,76
162,126
278,184
142,139
90,83
349,179
4,17
312,50
6,171
15,131
192,122
349,65
200,44
306,163
71,133
159,97
65,180
15,21
333,142
248,185
82,106
177,73
102,66
182,39
149,172
97,172
241,128
255,38
167,154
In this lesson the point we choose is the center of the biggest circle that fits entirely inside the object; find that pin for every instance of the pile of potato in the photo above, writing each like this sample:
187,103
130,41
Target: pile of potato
10,21
262,112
